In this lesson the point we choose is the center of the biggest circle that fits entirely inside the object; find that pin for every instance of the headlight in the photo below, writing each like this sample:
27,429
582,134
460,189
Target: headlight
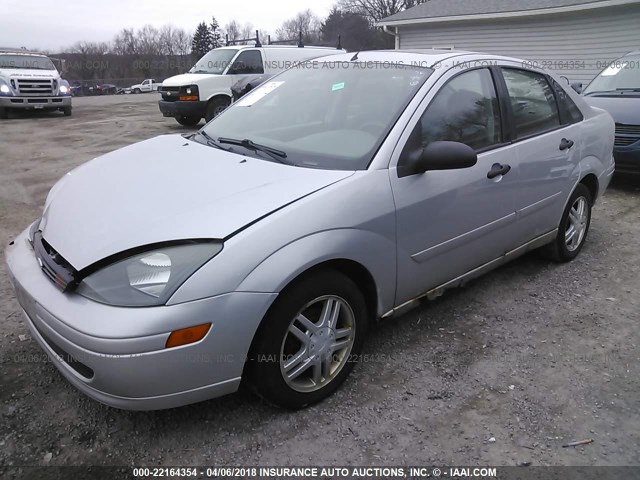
64,89
149,278
4,88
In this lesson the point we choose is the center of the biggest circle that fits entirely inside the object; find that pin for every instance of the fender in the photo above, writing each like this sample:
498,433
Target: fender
285,265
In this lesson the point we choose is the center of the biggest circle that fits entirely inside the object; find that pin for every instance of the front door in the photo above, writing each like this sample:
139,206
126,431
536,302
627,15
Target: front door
452,221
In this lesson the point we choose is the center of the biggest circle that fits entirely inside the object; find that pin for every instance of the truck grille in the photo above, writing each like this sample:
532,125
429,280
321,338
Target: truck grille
170,94
626,135
35,86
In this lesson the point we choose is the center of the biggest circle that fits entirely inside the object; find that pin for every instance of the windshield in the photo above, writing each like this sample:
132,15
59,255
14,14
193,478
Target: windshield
331,115
623,74
26,61
214,62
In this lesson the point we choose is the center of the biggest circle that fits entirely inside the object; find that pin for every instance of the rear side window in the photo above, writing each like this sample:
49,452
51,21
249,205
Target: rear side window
533,102
248,62
569,111
465,110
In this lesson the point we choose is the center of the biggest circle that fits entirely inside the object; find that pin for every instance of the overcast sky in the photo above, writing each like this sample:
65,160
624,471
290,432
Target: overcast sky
50,25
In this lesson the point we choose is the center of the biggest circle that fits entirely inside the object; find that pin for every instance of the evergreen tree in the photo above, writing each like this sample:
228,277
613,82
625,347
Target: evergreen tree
202,41
215,34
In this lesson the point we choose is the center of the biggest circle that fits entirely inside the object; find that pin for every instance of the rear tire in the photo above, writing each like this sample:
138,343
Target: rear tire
215,108
574,227
309,340
188,121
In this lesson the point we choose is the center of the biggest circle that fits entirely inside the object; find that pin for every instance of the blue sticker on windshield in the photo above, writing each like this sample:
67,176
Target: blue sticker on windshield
337,86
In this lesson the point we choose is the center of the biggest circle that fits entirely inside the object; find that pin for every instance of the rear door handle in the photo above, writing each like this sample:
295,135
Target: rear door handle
497,170
566,144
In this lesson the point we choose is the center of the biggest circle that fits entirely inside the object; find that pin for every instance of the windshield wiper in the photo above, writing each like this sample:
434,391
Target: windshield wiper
274,153
617,91
211,141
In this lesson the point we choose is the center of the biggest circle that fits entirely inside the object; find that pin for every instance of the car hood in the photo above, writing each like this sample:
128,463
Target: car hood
624,109
186,79
167,189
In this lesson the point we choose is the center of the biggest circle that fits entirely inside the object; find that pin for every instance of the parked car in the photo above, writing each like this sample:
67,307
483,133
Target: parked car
148,85
205,91
617,90
107,89
307,210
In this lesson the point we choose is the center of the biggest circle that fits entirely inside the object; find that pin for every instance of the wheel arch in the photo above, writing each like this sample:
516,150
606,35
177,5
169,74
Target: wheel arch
593,185
352,269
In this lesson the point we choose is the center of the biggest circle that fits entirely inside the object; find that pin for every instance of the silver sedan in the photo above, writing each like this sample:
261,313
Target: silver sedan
262,247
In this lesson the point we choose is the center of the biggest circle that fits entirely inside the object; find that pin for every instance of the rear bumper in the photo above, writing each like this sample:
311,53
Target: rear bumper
628,159
35,103
183,109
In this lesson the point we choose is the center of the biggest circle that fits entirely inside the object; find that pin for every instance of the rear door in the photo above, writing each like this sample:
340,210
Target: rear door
452,221
547,136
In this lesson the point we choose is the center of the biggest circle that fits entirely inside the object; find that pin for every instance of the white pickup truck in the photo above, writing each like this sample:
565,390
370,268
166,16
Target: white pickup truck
30,81
148,85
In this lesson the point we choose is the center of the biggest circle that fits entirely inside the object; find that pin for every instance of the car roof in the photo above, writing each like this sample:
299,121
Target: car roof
425,57
242,47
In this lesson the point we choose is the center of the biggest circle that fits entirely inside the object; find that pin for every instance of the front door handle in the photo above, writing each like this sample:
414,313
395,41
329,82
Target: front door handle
566,144
497,170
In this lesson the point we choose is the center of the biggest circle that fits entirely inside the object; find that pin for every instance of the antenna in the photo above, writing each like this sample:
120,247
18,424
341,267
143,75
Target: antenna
339,46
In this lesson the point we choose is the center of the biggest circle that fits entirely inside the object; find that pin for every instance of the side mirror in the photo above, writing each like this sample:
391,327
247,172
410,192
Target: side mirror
577,86
438,156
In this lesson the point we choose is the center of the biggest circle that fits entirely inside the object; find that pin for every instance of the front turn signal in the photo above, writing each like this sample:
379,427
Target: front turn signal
185,336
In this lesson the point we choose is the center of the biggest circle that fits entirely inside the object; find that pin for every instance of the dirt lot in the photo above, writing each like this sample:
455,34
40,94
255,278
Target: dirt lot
502,372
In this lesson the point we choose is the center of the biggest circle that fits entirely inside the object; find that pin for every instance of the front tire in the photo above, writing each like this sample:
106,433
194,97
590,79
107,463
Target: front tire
309,340
4,114
137,91
574,227
67,111
188,121
215,108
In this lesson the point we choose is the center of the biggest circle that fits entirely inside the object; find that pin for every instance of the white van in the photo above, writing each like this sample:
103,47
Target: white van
205,90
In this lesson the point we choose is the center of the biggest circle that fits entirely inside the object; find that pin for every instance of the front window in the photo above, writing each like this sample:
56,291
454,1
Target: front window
623,75
215,62
26,62
465,110
331,115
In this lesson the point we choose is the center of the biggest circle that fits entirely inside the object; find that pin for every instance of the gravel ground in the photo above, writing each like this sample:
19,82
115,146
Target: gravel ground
504,371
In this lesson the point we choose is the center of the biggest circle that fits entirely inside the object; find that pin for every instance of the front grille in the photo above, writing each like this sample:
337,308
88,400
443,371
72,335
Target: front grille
170,94
625,141
35,86
54,265
627,129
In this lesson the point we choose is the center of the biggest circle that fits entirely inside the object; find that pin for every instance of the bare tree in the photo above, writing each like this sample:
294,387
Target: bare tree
183,41
232,30
125,42
166,37
306,22
376,10
149,40
248,31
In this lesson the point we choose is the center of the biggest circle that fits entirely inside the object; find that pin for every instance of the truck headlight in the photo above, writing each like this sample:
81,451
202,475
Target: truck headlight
4,89
64,89
147,279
